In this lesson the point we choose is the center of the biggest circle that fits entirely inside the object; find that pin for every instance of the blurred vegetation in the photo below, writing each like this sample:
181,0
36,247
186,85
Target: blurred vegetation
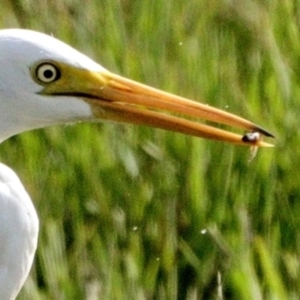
137,213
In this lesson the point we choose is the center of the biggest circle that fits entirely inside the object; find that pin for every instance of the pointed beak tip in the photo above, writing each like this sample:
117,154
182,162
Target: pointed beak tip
266,145
265,132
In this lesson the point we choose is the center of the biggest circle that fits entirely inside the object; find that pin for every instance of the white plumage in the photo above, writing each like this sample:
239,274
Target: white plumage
18,233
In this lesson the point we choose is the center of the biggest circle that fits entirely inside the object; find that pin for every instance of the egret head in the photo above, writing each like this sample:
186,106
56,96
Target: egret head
44,82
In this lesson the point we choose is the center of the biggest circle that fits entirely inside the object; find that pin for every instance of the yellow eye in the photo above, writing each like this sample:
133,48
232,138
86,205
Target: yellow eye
47,73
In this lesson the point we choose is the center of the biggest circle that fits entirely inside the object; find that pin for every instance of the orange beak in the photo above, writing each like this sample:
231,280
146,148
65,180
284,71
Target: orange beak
119,99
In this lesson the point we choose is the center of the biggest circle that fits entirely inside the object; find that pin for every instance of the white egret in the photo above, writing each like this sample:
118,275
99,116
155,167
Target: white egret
45,82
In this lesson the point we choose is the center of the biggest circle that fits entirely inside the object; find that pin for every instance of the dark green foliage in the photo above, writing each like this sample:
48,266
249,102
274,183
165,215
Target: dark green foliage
137,213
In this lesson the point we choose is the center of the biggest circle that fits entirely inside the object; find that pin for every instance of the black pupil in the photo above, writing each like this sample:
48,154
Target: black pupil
48,74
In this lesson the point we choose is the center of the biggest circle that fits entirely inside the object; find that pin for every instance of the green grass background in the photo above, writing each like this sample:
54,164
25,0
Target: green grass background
136,213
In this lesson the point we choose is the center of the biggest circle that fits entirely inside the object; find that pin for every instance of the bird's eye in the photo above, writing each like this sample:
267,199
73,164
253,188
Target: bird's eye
47,73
